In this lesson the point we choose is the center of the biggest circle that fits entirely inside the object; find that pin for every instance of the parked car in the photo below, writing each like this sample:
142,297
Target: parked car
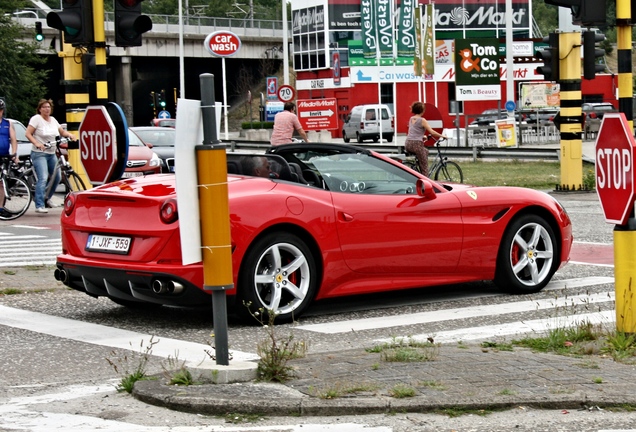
162,140
366,122
541,116
349,221
24,145
489,116
170,123
596,110
141,159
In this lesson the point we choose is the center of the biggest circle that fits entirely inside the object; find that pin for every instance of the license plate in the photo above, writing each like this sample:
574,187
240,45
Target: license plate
132,174
112,244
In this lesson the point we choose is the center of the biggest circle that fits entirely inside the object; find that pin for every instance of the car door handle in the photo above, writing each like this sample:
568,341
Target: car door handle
345,217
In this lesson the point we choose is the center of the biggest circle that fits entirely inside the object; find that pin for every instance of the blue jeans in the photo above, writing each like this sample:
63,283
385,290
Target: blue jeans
44,164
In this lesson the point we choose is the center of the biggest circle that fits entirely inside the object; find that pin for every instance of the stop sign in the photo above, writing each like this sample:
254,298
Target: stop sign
97,143
615,168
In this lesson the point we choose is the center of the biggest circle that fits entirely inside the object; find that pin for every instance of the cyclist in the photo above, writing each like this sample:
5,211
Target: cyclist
418,127
8,141
285,122
43,128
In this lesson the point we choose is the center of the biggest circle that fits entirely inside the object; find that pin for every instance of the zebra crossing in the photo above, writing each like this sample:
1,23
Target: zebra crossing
25,246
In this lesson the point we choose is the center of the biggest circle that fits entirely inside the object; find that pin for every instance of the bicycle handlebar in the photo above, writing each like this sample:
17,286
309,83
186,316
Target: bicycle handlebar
58,141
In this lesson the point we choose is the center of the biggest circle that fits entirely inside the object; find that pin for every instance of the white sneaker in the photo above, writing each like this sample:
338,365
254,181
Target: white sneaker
41,210
49,203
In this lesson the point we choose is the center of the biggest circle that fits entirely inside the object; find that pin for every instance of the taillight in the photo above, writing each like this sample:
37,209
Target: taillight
361,125
392,122
169,213
593,115
69,203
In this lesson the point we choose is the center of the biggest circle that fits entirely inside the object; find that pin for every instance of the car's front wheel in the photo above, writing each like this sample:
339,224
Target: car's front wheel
278,274
528,255
345,138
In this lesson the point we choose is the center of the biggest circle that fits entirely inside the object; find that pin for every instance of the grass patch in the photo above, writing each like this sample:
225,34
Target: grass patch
402,391
534,175
496,346
458,412
433,385
407,350
236,418
10,291
342,389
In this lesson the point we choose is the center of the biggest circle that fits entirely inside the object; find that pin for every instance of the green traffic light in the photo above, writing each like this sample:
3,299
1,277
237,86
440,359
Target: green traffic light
39,36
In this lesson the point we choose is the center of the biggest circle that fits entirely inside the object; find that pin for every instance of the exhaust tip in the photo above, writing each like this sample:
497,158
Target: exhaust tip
158,287
60,275
175,287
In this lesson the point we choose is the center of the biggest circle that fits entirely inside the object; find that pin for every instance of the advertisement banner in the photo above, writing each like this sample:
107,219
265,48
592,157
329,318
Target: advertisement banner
417,57
540,95
384,20
506,130
369,31
477,69
406,30
429,42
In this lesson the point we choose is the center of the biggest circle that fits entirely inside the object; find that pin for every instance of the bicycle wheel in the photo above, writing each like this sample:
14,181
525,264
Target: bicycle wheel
412,164
17,200
449,171
73,182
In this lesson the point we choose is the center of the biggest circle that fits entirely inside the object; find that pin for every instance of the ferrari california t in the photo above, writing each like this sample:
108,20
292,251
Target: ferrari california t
311,221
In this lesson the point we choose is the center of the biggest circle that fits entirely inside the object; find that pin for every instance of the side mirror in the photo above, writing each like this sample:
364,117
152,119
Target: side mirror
424,188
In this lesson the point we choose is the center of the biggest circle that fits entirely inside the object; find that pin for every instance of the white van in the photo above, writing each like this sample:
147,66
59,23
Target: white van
364,124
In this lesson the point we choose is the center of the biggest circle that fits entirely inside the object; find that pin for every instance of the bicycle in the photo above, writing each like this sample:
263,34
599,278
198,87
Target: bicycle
69,178
16,194
442,169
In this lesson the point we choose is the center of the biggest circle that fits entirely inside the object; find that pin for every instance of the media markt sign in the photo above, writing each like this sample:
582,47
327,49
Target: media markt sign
477,69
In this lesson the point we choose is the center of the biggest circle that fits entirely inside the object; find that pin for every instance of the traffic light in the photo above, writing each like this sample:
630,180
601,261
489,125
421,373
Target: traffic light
75,20
39,36
586,13
550,57
152,99
130,23
590,53
162,101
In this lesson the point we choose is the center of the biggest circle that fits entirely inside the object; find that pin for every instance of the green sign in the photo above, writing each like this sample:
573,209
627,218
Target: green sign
477,69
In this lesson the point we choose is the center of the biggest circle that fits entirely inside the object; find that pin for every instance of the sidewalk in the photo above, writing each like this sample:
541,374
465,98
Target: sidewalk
465,377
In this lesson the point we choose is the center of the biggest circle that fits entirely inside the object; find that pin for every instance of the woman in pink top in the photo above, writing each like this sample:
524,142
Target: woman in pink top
418,127
285,123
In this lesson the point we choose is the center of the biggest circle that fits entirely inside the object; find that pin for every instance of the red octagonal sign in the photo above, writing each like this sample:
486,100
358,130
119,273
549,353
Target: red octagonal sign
222,43
98,149
615,168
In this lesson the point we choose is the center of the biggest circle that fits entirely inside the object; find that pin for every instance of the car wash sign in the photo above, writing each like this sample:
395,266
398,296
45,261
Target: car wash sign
477,69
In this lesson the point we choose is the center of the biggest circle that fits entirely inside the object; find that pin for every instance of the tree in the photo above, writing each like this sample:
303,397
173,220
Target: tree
21,77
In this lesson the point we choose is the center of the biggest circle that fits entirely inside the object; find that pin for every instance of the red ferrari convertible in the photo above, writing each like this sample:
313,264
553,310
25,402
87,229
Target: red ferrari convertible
311,221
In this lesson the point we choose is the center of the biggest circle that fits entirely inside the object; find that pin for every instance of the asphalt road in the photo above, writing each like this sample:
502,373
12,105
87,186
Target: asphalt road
55,343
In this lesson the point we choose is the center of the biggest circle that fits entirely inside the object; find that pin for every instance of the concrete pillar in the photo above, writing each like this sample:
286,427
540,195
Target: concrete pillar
124,93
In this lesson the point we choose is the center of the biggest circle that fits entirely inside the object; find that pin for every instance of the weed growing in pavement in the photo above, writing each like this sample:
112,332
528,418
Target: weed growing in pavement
432,385
407,350
341,389
10,272
458,412
131,365
175,372
10,291
597,380
237,418
402,391
589,179
583,338
507,392
276,351
496,346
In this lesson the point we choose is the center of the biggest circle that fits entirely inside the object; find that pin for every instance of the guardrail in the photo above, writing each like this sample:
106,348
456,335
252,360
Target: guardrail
474,153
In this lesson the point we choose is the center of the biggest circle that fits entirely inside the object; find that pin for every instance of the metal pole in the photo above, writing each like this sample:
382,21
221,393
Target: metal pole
625,235
285,45
215,218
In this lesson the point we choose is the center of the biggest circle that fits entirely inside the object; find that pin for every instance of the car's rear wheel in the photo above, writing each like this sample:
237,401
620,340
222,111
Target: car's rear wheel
528,255
345,138
278,274
359,137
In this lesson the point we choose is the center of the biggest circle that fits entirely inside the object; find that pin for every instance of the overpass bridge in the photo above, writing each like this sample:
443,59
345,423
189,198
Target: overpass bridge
134,72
